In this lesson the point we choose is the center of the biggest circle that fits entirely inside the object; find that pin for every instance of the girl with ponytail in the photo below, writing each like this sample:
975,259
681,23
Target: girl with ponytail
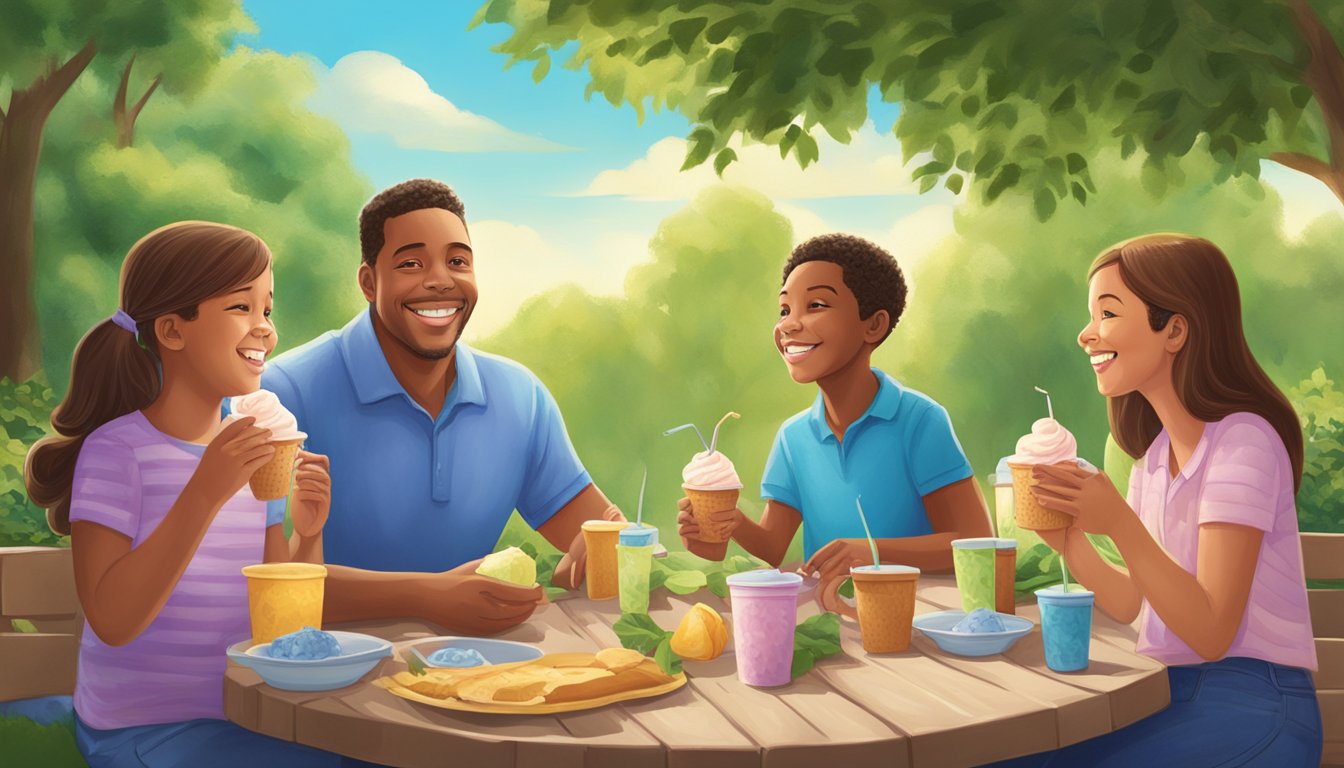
150,481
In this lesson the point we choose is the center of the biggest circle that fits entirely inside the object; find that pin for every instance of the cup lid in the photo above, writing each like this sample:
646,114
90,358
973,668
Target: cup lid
639,535
1003,474
284,570
1056,594
1005,543
604,525
765,577
977,543
883,569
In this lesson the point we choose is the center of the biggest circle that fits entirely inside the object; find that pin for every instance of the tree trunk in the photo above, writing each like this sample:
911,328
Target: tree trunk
20,147
123,117
1325,76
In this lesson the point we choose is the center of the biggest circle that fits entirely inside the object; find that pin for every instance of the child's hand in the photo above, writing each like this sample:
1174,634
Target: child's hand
834,560
312,494
231,457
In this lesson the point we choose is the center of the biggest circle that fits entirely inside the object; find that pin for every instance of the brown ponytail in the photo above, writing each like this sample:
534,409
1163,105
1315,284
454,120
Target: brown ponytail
169,271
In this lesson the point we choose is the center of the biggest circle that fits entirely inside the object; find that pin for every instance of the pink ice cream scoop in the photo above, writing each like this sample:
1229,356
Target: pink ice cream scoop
1048,443
265,407
710,470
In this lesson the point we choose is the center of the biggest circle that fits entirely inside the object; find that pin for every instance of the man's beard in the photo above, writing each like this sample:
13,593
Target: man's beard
439,353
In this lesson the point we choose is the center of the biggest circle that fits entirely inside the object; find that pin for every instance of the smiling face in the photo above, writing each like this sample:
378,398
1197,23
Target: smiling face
1126,353
422,285
819,331
227,343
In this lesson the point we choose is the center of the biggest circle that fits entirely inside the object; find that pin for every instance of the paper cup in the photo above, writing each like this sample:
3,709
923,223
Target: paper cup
885,596
706,502
284,598
1027,511
602,571
272,480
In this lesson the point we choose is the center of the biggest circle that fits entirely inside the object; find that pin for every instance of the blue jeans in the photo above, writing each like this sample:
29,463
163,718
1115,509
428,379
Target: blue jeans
1232,712
195,743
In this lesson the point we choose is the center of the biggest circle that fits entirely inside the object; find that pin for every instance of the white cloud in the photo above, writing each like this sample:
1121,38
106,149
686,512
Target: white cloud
372,92
870,165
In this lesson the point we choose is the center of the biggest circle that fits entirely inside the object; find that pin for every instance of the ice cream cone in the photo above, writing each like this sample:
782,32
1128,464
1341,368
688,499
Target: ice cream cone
272,480
1027,511
706,502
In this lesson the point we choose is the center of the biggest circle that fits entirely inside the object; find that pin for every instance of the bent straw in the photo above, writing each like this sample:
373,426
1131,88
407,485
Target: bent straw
639,513
714,441
871,543
1048,407
689,426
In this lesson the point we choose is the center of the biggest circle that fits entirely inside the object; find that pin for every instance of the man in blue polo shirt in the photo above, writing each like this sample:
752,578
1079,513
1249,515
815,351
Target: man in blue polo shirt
432,444
865,436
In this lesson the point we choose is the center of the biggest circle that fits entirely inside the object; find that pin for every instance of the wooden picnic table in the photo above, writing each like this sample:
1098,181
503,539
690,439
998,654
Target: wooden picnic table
919,708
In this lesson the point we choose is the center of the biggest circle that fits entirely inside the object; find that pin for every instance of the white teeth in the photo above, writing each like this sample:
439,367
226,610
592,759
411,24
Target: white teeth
255,355
795,349
1101,358
436,312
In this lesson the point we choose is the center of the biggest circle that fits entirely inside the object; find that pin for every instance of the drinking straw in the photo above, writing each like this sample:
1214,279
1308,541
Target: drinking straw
639,513
1063,566
1048,407
871,543
689,426
714,441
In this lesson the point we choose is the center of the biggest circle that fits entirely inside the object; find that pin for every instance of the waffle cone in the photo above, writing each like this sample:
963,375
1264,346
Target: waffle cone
1026,510
272,480
886,608
705,503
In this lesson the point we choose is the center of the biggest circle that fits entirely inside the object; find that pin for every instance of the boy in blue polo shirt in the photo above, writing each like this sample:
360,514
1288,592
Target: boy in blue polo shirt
866,435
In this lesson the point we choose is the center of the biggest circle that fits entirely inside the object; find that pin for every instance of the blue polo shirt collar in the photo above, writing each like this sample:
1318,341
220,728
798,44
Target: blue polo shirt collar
884,406
373,378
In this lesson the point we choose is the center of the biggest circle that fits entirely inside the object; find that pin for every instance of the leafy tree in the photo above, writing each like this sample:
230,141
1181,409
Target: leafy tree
44,48
997,95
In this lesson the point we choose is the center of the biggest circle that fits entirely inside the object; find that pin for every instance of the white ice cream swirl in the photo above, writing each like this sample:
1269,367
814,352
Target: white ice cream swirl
265,407
710,472
1048,443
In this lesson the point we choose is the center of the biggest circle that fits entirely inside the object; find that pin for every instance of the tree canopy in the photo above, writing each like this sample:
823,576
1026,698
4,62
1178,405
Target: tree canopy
992,95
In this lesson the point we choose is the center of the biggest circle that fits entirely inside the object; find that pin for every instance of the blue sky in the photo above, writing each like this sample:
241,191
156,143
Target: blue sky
561,189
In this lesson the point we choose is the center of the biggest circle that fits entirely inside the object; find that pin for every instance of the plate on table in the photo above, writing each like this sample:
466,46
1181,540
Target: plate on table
494,651
359,654
938,627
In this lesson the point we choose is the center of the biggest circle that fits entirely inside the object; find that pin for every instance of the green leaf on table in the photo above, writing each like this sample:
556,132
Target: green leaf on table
820,635
718,583
413,663
657,577
846,589
685,582
803,661
667,659
554,593
22,625
639,632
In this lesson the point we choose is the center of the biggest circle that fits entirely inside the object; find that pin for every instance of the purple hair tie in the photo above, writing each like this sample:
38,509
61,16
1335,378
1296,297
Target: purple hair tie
126,323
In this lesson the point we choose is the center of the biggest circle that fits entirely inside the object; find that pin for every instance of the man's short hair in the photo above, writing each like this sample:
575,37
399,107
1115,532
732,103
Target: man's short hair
413,195
870,273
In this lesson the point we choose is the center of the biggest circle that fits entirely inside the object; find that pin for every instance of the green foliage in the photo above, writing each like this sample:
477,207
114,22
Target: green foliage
28,743
638,631
813,640
1024,99
1320,500
25,418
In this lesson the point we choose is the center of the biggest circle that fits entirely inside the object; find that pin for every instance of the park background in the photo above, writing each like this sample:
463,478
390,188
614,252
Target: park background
635,173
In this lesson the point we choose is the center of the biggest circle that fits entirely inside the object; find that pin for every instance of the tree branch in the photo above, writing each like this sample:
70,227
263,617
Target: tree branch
1314,167
54,85
1325,76
119,101
123,117
139,105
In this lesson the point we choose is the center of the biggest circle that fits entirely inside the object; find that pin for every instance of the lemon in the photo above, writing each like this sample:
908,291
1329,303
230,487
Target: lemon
511,565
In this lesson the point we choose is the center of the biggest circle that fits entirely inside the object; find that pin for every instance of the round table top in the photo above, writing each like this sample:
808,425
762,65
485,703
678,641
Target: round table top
922,707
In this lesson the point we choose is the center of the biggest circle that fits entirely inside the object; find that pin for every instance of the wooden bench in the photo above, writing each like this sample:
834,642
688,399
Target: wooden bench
1323,558
37,588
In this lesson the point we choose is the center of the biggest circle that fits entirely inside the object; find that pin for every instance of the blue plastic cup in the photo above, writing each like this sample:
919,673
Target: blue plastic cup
1066,626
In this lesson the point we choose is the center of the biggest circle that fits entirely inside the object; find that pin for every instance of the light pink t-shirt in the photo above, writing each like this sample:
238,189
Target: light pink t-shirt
1239,473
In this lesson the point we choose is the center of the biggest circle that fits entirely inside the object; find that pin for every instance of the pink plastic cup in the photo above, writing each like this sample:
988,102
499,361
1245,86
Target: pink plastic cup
765,613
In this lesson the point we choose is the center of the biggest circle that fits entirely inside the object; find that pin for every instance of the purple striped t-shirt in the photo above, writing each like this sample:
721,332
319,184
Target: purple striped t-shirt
127,477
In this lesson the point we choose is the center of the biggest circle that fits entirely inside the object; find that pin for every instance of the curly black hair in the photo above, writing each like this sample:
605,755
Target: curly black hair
869,272
412,195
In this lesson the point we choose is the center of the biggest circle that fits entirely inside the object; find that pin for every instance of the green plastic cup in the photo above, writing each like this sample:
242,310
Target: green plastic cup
973,560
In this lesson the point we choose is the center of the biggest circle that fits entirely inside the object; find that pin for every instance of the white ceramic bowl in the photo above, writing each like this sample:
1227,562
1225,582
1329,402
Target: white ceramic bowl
359,654
494,651
938,627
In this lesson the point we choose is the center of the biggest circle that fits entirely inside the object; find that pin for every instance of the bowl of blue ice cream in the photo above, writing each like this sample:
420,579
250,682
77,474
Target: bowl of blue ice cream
981,632
311,659
459,652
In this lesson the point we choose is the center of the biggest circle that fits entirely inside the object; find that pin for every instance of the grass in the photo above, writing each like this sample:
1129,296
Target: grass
27,743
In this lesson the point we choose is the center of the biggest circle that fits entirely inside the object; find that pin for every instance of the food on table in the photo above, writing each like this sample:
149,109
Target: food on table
978,621
512,565
272,479
701,635
456,657
308,644
1048,443
556,678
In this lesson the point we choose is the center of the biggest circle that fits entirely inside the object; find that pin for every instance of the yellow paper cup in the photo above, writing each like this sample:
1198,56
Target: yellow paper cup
1028,512
272,479
705,502
601,575
284,598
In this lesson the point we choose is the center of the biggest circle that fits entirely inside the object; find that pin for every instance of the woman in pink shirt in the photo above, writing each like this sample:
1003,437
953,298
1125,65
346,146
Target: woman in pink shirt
1209,529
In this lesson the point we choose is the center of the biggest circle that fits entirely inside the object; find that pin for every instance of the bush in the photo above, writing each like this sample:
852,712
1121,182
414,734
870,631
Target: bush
1320,500
25,417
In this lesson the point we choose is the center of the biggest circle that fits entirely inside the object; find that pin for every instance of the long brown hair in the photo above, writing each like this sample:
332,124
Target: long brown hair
1214,374
169,271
